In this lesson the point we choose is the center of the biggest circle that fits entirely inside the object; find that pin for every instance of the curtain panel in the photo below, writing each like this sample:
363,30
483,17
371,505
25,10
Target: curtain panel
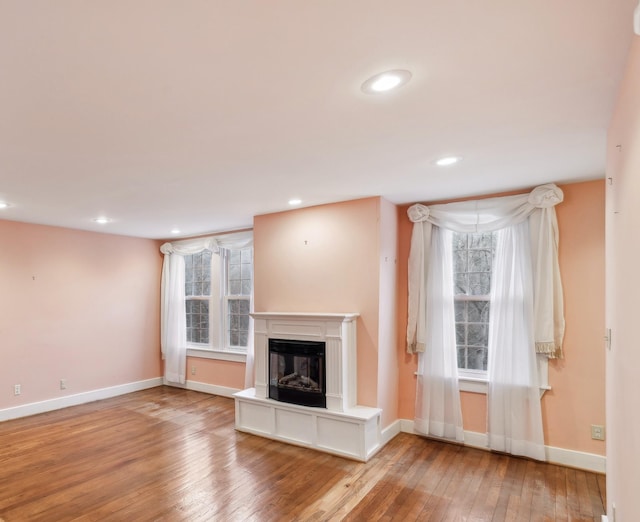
526,314
173,337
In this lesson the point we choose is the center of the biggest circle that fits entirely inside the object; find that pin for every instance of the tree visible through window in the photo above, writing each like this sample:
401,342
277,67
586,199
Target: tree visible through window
472,264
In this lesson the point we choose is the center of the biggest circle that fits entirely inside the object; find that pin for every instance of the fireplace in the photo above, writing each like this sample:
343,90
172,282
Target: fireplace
296,356
297,372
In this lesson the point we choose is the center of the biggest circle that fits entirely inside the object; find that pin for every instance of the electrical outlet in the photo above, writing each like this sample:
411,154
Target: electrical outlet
597,432
193,370
63,384
17,390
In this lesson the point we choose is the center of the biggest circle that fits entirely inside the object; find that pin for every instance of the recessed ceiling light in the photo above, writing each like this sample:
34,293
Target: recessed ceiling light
102,220
4,204
175,230
449,160
295,201
386,81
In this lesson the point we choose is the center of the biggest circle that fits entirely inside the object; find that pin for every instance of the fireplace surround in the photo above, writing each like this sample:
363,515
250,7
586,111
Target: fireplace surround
340,427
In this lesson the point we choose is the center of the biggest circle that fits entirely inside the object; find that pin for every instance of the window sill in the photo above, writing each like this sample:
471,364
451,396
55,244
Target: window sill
476,385
220,355
469,384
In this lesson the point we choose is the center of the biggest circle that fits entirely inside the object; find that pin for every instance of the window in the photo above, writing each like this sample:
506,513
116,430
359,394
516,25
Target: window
218,290
472,264
239,282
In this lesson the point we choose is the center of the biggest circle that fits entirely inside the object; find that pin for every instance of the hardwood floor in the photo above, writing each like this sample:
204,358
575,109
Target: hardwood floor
170,454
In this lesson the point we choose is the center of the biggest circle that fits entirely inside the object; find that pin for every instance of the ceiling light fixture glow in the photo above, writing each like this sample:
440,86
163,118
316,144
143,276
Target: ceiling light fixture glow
294,201
386,81
449,160
3,204
175,230
102,220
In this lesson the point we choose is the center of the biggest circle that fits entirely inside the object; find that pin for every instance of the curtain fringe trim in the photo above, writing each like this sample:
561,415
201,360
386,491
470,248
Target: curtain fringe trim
550,349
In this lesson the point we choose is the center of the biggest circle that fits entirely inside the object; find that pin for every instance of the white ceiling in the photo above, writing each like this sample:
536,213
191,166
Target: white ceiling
200,114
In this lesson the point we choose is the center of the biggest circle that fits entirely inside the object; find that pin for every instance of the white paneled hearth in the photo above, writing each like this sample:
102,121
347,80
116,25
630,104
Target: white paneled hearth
342,428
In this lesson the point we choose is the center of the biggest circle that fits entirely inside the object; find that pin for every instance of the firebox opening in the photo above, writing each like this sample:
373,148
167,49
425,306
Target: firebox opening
297,372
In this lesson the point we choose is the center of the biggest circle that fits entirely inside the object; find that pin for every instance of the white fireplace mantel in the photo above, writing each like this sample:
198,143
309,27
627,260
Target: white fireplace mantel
343,427
338,331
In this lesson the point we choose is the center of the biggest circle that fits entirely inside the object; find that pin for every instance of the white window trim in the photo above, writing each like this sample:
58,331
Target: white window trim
220,355
218,348
478,381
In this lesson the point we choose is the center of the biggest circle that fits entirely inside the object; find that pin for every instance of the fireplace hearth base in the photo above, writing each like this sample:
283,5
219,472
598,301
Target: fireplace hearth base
343,427
354,433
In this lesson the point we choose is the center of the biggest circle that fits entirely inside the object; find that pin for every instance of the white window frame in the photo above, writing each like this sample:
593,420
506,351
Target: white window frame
477,381
219,347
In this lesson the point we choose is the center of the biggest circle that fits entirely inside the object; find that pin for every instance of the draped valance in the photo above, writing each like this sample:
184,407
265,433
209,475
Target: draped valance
488,215
186,247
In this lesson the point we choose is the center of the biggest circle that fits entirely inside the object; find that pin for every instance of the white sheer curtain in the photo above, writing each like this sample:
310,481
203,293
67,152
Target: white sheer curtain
438,411
173,331
514,414
546,322
173,340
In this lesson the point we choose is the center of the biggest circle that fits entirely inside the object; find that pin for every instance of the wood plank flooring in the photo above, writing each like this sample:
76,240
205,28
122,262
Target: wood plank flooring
172,455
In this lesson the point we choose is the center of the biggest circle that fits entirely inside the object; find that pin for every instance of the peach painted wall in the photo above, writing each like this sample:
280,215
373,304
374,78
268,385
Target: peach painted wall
623,288
577,398
220,373
75,305
387,353
325,259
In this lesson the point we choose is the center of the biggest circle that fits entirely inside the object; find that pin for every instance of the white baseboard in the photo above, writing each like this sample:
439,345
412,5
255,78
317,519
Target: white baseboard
577,459
33,408
564,457
212,389
390,431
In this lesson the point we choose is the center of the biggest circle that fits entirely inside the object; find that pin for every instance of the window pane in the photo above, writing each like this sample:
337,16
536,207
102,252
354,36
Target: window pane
478,311
462,357
459,261
480,284
481,240
197,274
244,306
235,287
247,255
461,311
197,321
477,358
477,334
479,261
460,284
459,241
461,333
238,322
